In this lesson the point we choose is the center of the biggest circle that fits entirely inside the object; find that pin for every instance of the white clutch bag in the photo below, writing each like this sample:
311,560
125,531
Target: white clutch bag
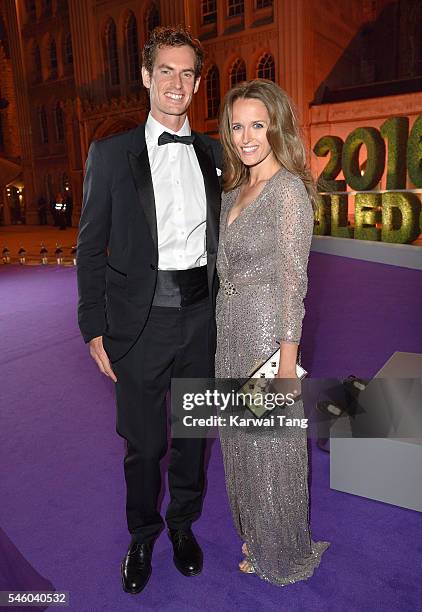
269,368
253,388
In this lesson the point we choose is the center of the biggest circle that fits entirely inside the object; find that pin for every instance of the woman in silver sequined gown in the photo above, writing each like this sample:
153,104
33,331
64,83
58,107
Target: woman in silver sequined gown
262,263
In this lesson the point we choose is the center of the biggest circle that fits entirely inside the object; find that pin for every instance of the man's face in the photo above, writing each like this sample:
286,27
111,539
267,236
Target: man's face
172,82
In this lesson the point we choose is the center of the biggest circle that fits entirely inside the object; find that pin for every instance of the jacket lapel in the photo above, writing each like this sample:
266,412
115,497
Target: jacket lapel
141,172
213,195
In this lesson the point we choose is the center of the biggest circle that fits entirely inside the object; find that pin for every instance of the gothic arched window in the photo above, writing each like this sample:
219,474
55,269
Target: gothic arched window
67,50
62,6
48,187
47,8
31,10
52,53
237,72
212,81
59,116
265,68
4,38
36,61
112,58
132,49
152,18
42,115
1,135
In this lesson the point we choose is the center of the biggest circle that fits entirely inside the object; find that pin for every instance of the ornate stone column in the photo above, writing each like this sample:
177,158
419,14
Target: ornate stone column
89,85
173,13
248,17
76,156
22,104
221,16
89,78
295,51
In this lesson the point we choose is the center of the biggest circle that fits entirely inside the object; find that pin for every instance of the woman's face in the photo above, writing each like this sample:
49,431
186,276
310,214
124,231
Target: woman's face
250,123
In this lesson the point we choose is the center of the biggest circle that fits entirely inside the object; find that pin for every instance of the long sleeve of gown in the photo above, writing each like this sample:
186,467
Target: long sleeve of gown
294,226
265,253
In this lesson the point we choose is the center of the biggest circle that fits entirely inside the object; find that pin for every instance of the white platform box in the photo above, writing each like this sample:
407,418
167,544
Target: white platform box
385,469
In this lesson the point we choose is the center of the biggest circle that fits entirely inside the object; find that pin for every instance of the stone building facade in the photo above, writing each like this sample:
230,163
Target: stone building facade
69,73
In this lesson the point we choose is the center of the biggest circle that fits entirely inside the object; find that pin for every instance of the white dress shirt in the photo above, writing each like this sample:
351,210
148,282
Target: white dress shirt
180,199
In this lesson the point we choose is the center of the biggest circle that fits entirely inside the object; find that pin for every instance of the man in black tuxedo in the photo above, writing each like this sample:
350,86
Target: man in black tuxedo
147,285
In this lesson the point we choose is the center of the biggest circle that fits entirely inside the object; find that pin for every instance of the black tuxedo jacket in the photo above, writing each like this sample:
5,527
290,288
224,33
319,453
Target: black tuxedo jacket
117,245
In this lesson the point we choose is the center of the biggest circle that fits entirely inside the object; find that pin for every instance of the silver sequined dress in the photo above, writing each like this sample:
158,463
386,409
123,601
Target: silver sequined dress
262,262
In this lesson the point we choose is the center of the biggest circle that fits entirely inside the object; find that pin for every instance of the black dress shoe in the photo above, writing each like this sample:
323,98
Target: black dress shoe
136,567
187,556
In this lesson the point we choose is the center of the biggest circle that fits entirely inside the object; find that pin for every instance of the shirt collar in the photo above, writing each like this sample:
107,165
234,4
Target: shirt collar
154,129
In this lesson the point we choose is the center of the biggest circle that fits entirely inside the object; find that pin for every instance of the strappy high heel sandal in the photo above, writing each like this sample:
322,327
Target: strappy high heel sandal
246,566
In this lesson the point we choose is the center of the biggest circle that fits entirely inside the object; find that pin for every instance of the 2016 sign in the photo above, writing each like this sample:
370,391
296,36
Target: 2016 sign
391,216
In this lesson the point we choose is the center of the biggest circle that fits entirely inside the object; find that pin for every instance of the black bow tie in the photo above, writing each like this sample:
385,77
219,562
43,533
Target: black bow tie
167,138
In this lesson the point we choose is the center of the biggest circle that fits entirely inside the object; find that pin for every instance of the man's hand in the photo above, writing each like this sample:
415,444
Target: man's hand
100,357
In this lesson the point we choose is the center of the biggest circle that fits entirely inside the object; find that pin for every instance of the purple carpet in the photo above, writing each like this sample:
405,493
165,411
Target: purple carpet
62,489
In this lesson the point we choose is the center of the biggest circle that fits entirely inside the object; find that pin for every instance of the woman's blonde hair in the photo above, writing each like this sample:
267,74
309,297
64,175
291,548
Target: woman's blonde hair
283,134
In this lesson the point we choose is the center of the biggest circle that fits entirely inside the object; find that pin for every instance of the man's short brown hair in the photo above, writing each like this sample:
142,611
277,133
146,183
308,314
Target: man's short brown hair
167,36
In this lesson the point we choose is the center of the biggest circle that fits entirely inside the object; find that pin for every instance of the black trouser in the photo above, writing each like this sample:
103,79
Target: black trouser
174,343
